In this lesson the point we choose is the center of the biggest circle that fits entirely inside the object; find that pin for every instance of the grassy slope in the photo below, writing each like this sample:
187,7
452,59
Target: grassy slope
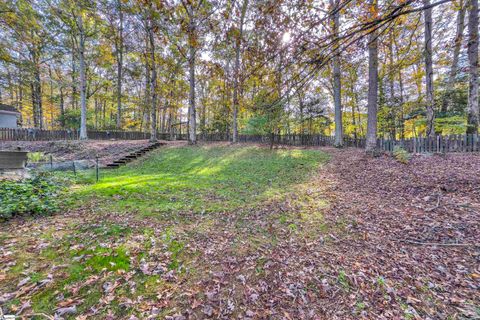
202,179
93,252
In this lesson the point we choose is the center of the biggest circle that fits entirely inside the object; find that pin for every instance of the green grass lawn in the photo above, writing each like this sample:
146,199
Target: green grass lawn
201,179
187,191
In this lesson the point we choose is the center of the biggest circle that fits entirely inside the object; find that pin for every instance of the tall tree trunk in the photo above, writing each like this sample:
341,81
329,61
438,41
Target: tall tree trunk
402,120
34,105
20,97
83,80
302,117
391,78
429,70
236,71
337,90
447,98
153,82
38,97
96,113
192,132
354,102
119,53
371,143
36,91
51,96
10,84
473,112
62,108
104,114
74,76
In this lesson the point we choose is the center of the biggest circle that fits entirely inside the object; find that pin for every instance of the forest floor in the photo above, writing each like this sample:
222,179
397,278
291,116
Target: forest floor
222,231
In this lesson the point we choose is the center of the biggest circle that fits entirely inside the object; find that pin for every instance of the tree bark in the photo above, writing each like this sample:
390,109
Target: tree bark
371,143
119,54
62,108
337,93
153,81
36,87
83,80
192,132
447,98
236,71
402,120
391,80
472,110
429,70
51,97
74,77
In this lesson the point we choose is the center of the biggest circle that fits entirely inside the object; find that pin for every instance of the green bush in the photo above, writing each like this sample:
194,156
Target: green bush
37,195
401,154
36,157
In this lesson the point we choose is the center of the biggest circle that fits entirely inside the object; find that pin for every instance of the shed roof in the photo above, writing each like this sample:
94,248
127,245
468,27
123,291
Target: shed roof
6,107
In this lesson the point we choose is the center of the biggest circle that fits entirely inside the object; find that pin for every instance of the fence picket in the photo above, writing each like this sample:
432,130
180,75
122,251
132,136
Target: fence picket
443,144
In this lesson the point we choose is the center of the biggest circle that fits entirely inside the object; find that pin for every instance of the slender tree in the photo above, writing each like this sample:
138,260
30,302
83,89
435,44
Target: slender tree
337,91
447,99
119,57
429,69
472,109
83,77
153,76
238,46
371,143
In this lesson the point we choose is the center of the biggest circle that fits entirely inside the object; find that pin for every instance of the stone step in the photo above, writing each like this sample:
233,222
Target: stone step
134,154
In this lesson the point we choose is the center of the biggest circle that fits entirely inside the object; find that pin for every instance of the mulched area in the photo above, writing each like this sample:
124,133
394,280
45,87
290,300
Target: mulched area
366,238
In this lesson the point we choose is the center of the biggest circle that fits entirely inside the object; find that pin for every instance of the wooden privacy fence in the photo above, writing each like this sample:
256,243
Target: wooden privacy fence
437,144
49,135
290,139
440,144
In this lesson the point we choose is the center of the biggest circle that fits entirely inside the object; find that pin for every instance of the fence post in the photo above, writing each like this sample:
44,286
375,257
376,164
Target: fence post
96,167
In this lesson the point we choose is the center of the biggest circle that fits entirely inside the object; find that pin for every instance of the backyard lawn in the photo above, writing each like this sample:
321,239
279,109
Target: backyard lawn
132,237
201,180
243,232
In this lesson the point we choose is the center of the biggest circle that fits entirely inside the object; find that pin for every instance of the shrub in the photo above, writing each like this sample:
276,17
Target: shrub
37,195
401,154
36,157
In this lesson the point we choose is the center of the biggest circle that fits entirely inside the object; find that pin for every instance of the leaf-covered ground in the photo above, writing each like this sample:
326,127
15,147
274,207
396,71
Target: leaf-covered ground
246,233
